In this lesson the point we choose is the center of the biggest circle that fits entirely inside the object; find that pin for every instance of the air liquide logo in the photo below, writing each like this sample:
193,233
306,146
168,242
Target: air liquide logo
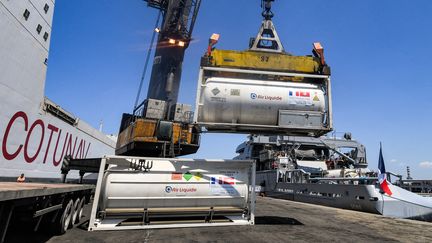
168,189
255,96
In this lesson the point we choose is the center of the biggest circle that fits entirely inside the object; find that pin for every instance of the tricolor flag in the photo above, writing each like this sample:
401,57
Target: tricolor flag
382,176
223,181
302,94
229,180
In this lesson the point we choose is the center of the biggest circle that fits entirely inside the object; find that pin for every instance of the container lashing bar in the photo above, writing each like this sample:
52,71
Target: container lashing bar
146,218
209,218
147,214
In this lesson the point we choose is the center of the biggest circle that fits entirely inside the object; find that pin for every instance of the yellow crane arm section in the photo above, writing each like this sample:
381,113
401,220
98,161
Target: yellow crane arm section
265,61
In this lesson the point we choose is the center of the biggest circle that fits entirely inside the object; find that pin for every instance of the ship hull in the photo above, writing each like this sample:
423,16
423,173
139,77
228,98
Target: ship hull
35,133
358,197
35,144
362,198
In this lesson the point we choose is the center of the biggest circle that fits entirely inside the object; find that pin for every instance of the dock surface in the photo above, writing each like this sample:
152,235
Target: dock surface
277,220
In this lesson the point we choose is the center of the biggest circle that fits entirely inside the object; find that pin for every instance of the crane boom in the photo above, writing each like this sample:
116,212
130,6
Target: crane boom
174,37
159,126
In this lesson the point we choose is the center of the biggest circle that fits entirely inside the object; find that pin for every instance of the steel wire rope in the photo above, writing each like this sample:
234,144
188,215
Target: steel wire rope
146,62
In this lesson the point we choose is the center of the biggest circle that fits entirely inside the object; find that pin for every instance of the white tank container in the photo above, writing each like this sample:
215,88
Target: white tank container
258,104
243,101
176,183
150,193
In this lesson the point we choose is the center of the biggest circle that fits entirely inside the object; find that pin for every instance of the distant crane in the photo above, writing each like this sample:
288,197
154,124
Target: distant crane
408,173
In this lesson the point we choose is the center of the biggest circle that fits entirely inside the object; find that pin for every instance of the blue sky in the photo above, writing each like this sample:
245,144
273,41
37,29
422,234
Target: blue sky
380,53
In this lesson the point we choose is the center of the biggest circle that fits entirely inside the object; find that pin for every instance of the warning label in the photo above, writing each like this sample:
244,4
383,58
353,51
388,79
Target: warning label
300,98
223,185
198,176
176,176
222,180
187,176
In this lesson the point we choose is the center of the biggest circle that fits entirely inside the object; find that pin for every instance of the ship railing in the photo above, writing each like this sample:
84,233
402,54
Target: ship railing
346,178
294,176
343,180
390,174
356,180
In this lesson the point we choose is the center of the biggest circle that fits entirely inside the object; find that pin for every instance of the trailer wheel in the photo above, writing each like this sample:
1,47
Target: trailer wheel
74,212
63,222
79,210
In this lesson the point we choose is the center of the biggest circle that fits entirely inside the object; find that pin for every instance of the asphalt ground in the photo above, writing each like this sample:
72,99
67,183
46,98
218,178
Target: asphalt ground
276,221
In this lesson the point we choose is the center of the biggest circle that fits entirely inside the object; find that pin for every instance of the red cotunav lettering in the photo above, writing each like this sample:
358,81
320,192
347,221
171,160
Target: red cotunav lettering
6,154
69,150
52,129
30,159
80,151
77,149
87,150
57,162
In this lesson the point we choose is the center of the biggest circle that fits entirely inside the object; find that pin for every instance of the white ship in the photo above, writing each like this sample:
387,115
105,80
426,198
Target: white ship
328,171
35,133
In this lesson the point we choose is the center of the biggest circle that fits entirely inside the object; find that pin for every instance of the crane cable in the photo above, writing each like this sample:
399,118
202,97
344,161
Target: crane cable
146,62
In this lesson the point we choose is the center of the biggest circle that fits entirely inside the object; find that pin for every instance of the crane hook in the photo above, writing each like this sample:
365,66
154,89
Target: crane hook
267,13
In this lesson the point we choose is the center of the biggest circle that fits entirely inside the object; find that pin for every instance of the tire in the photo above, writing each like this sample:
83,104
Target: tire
74,212
62,223
79,210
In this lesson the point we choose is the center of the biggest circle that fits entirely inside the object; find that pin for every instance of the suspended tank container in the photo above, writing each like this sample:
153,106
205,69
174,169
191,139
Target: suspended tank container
264,90
263,102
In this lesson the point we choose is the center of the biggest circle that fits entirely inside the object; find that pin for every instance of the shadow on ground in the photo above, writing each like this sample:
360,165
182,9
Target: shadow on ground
23,232
276,220
84,225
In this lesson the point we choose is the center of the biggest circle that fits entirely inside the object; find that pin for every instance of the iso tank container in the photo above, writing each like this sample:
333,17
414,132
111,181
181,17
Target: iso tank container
154,188
257,104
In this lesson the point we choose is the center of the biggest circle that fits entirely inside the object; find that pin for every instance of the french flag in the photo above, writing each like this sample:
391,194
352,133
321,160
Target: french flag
382,176
227,181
